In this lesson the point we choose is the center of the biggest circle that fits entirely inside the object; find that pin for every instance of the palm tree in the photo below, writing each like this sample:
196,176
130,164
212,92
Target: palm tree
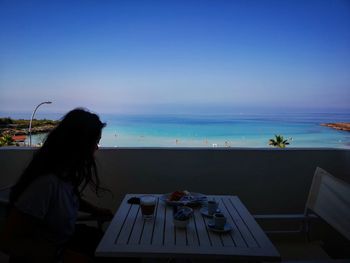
278,142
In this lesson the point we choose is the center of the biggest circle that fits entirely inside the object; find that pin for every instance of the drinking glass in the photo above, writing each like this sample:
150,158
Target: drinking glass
148,204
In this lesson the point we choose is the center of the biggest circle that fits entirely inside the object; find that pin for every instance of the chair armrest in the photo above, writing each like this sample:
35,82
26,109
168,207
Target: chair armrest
284,217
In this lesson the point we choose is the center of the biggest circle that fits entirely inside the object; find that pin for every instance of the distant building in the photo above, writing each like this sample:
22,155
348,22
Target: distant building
19,138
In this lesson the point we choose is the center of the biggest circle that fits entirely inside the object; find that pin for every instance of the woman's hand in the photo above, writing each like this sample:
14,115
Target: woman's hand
87,207
99,211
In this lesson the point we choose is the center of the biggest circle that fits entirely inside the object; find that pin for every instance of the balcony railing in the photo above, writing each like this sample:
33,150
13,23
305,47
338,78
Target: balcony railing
266,180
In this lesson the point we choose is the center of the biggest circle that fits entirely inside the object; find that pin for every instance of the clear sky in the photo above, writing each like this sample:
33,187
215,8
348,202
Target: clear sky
175,56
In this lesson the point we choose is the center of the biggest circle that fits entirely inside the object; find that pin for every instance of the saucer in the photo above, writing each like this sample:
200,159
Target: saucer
204,211
227,228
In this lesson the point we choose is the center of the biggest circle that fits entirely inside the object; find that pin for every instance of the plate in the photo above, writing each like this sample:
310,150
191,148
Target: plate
204,211
227,228
193,199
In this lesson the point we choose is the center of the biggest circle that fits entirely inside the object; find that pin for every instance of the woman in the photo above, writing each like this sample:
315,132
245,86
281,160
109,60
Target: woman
48,195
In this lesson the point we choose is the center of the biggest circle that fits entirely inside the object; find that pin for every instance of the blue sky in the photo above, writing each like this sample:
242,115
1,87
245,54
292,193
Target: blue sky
175,56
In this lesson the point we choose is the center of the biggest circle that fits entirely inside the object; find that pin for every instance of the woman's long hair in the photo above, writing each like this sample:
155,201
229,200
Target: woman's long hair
68,152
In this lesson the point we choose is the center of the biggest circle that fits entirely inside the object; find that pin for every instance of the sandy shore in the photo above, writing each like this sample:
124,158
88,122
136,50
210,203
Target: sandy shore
343,126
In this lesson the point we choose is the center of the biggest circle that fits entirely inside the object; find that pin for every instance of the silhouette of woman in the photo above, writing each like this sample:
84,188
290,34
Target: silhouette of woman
47,197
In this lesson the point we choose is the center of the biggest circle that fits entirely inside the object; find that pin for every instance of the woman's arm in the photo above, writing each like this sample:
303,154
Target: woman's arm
86,206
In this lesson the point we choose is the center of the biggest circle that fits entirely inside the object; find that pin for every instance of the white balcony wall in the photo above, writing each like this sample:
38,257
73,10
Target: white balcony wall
266,180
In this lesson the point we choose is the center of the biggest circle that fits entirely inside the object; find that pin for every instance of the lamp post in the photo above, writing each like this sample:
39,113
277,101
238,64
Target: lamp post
31,119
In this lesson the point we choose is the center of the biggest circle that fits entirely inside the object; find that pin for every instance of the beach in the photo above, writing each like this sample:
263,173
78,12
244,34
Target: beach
343,126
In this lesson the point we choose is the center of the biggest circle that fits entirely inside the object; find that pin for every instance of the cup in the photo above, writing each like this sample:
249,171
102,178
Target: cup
219,220
212,207
148,204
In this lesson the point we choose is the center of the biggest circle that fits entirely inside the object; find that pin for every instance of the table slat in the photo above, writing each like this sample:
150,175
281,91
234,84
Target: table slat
233,238
169,231
191,231
238,221
125,232
158,234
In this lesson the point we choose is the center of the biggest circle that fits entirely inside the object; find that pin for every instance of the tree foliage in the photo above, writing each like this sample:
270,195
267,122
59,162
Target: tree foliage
278,142
6,140
6,121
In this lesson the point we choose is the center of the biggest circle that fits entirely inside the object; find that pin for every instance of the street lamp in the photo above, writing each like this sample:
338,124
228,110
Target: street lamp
31,119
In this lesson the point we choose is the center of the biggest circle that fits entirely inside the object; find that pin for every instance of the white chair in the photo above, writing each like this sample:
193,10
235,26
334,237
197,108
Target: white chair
328,200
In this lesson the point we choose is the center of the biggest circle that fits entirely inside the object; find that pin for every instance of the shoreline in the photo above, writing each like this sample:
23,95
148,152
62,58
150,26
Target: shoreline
341,126
24,131
15,132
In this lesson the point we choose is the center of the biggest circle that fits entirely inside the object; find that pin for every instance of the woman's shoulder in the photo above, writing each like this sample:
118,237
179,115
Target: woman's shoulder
49,185
47,178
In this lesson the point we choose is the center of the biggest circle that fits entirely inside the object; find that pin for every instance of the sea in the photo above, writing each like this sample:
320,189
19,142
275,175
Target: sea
253,130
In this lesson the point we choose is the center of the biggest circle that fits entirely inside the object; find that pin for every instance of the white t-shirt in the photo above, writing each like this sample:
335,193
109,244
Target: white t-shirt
53,201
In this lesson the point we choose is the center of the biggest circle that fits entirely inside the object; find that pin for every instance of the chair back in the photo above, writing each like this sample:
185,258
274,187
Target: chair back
329,198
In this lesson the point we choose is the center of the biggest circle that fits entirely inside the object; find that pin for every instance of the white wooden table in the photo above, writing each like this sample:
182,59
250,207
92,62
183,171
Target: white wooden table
128,235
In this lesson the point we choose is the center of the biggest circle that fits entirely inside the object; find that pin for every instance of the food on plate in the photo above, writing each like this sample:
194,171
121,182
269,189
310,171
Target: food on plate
184,198
177,195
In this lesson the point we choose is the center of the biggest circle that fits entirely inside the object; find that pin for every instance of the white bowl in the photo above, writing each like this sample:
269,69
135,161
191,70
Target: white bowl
186,209
181,223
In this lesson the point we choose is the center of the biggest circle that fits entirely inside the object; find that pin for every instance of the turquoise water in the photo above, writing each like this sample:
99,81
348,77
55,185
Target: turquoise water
235,130
254,130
